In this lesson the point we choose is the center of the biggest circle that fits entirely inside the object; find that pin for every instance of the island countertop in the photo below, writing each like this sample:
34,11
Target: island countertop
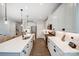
15,45
63,45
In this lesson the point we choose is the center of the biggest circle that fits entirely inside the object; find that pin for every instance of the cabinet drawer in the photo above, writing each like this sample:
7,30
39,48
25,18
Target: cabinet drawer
29,46
27,49
50,49
59,51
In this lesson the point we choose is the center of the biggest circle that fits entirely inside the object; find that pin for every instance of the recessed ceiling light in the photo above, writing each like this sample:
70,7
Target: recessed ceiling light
26,7
22,25
41,17
54,17
41,3
75,4
2,4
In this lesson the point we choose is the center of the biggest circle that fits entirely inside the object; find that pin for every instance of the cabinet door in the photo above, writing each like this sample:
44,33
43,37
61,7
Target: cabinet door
23,53
54,50
50,47
59,51
26,50
29,47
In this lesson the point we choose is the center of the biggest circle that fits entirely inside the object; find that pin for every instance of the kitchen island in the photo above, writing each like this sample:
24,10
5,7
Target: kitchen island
59,48
17,46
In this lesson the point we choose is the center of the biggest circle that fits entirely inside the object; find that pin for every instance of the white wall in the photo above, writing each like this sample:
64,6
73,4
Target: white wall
63,17
77,19
7,29
12,27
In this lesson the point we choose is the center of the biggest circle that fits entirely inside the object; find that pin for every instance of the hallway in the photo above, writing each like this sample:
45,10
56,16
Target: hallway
39,48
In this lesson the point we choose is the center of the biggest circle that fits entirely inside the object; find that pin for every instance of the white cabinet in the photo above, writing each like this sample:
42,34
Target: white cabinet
50,47
61,49
53,49
27,49
23,53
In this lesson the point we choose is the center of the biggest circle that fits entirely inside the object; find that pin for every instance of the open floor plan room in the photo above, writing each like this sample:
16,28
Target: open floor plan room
39,29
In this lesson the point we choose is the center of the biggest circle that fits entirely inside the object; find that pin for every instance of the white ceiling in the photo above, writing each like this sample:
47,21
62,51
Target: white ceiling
35,11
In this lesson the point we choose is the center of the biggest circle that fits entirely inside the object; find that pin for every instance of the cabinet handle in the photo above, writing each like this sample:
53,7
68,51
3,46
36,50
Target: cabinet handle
24,51
27,47
54,50
25,38
27,44
54,46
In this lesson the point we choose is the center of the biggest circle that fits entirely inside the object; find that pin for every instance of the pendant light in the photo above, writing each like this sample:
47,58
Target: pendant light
27,19
21,17
22,24
6,22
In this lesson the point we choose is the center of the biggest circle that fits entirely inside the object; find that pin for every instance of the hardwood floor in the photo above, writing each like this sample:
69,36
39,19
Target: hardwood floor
39,48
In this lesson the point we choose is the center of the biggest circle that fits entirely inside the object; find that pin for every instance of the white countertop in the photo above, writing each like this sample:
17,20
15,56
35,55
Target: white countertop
15,45
63,45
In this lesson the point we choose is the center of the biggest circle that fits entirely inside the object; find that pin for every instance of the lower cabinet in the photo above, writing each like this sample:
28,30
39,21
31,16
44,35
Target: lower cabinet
27,49
53,49
50,48
23,53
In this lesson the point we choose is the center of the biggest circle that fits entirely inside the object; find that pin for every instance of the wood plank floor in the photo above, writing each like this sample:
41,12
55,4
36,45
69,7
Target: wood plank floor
39,48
